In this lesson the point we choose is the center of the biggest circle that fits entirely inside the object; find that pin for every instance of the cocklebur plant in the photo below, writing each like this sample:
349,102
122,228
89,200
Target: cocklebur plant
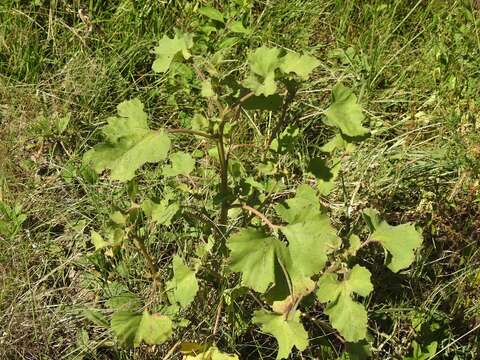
284,249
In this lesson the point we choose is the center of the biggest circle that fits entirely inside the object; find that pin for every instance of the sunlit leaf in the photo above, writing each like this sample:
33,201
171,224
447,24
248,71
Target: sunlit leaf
182,163
131,329
345,112
183,286
168,48
253,253
401,241
263,63
211,13
130,143
301,65
288,333
346,315
162,213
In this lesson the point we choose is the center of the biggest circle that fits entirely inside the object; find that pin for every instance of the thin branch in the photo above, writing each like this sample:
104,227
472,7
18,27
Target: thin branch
191,132
367,242
262,217
218,316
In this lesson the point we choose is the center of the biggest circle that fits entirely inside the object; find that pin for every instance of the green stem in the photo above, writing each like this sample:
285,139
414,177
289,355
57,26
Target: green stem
191,132
157,282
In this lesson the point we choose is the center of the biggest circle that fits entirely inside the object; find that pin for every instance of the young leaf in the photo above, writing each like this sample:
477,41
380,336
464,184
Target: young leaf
237,27
199,122
310,241
130,143
162,213
203,352
302,65
168,48
263,63
289,333
133,328
253,254
400,241
345,113
346,315
182,164
207,90
184,285
153,329
211,13
98,241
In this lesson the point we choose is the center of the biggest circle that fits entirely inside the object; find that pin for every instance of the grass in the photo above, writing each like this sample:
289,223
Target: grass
415,68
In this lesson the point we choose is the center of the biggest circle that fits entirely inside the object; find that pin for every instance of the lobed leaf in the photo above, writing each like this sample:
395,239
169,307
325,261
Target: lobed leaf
310,241
400,241
253,253
183,286
346,315
181,164
130,143
161,213
302,65
263,63
288,333
168,48
132,328
345,112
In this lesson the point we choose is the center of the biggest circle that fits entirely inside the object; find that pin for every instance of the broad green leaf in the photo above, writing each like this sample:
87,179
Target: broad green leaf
339,142
265,86
345,112
181,164
288,333
211,13
207,90
349,318
183,286
132,328
302,65
125,325
263,63
355,243
123,301
153,329
97,240
400,241
130,143
202,352
301,207
162,213
253,253
168,48
346,315
237,27
310,241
